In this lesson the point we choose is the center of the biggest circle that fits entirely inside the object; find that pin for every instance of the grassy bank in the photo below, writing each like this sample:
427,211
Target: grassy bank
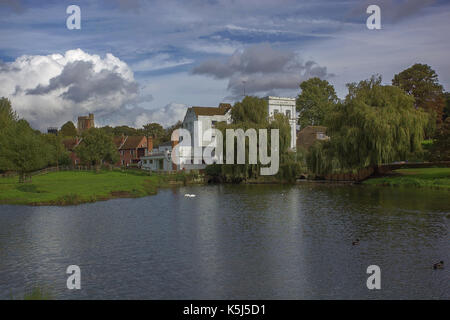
75,187
420,177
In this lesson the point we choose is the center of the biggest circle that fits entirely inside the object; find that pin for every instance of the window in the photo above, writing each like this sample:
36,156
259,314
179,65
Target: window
321,136
288,114
275,111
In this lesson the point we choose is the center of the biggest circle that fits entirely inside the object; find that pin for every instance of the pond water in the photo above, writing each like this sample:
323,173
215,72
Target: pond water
233,242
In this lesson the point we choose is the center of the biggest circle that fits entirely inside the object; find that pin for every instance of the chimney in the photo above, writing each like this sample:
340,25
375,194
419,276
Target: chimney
174,143
149,144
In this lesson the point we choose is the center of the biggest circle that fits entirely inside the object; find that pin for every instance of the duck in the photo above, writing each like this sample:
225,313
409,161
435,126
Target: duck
439,265
355,243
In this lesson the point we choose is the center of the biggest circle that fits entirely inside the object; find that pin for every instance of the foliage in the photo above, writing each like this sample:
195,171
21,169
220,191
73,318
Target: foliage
68,130
155,131
250,110
440,149
97,147
421,82
58,154
22,149
316,100
251,113
447,106
375,124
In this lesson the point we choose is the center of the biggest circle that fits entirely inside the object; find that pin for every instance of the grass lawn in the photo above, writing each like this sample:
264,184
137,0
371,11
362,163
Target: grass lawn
420,177
74,187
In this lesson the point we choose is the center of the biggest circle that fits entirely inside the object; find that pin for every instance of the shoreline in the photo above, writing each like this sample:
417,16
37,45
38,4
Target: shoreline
67,188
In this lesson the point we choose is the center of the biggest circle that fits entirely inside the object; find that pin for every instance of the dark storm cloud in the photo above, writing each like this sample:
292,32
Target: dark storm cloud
84,83
262,69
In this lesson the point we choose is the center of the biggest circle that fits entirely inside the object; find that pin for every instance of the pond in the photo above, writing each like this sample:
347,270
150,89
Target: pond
233,242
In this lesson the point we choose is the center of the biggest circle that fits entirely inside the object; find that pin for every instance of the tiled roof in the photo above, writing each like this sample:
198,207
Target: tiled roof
133,142
308,135
211,111
70,143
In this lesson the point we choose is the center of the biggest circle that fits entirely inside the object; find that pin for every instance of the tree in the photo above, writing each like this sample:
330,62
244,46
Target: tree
68,129
315,101
23,150
252,113
58,154
125,130
375,124
447,106
97,147
421,82
250,109
169,130
155,131
440,149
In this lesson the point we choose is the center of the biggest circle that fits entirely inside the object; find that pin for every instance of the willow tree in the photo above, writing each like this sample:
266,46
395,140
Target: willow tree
315,101
252,113
376,124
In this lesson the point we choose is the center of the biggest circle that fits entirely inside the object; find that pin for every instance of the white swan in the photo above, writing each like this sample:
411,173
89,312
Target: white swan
189,195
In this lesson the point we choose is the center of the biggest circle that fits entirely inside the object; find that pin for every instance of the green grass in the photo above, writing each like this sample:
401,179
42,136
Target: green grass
75,187
420,177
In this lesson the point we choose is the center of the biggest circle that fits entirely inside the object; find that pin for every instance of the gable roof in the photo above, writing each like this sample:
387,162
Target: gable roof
132,142
71,143
212,111
308,135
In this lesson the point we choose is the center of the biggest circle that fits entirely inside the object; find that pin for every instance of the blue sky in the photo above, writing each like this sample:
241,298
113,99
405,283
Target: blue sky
185,53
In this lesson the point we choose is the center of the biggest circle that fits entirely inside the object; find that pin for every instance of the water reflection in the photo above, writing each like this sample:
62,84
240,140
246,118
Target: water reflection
233,242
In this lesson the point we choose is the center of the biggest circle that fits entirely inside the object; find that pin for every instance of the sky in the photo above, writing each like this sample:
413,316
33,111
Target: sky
134,62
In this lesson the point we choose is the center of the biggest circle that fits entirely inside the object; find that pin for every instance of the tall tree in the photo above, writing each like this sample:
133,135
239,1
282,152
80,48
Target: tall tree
155,131
58,154
250,109
447,105
7,114
421,81
375,124
23,150
97,147
68,129
440,149
315,101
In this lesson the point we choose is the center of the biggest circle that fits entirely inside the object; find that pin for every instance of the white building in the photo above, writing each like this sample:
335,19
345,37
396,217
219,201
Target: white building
285,106
159,159
197,121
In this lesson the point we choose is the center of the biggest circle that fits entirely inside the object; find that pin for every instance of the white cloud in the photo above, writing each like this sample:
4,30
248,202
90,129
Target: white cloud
50,90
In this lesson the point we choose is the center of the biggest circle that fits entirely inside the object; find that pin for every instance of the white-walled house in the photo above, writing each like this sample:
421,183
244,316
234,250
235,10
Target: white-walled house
159,159
197,121
285,106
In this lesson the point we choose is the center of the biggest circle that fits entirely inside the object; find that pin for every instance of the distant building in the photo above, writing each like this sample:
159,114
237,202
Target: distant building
131,149
52,130
159,159
310,134
85,123
285,106
71,144
206,118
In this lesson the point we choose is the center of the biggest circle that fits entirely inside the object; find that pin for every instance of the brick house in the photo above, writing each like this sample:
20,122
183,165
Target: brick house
131,149
70,144
310,134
